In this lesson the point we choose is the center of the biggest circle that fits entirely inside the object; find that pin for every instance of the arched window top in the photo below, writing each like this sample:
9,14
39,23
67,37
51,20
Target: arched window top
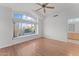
22,17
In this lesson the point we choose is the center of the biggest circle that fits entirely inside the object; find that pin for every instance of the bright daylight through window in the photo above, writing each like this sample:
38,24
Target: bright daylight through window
23,24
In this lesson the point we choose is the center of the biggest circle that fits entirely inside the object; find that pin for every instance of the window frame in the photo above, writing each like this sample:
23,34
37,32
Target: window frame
36,26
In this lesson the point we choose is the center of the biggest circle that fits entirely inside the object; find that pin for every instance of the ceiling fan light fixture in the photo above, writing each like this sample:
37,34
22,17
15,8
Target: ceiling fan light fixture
44,6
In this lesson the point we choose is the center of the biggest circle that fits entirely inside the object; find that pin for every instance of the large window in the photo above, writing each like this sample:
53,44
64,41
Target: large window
23,24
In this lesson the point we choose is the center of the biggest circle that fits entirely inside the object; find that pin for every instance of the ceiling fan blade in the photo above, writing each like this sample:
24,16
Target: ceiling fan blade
45,3
39,4
38,9
44,10
50,7
55,15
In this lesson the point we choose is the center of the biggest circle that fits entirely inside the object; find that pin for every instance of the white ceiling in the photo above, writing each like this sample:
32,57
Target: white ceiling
71,10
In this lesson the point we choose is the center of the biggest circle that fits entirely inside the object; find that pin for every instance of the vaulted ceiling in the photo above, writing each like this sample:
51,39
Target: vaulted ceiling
71,10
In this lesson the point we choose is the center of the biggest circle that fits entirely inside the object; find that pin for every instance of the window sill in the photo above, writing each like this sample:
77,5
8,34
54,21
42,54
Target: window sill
24,36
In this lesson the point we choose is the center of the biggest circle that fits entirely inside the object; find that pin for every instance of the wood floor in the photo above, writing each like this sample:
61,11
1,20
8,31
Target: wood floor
41,47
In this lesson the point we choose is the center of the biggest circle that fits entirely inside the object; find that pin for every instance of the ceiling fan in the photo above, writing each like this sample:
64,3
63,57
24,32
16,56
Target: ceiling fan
44,6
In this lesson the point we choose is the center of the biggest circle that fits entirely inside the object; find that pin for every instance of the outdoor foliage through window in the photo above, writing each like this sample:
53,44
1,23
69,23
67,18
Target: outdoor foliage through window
23,24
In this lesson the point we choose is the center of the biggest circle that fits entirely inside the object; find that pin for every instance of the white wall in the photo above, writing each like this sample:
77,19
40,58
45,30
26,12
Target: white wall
77,27
5,24
6,29
55,27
